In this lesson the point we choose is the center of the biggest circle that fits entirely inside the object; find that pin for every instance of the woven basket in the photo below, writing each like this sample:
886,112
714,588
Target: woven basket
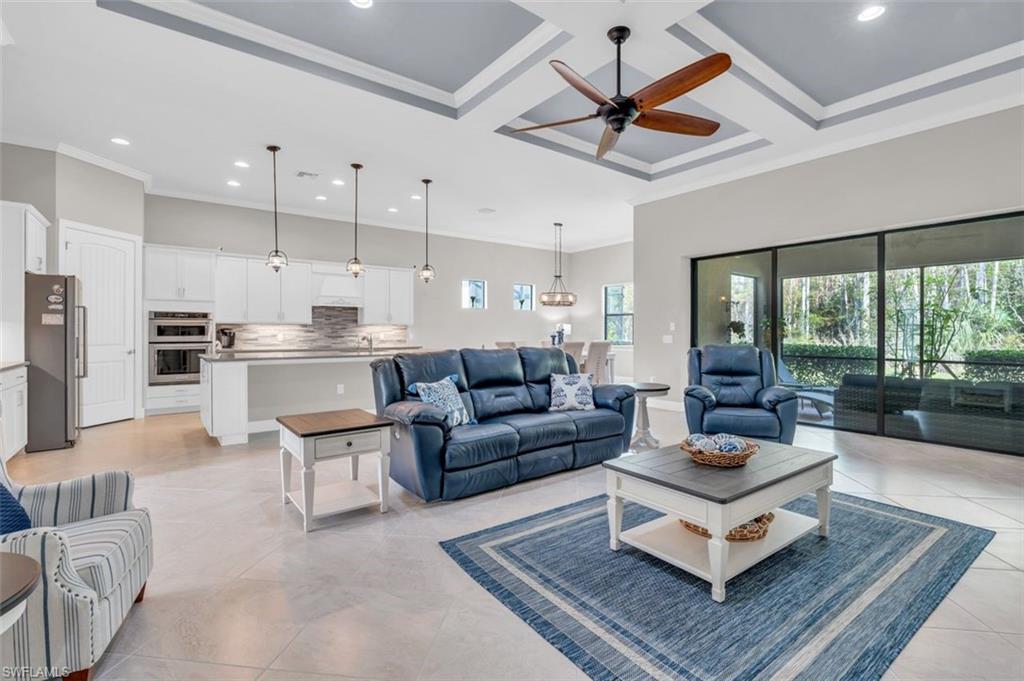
754,530
722,459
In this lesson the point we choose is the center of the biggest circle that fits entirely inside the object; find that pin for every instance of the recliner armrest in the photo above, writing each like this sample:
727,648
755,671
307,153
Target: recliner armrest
771,397
703,394
410,412
611,395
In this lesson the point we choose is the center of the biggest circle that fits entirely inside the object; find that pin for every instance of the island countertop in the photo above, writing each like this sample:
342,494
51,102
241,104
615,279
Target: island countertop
325,354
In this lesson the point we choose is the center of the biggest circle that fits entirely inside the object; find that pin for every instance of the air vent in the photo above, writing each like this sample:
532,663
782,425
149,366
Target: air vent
304,174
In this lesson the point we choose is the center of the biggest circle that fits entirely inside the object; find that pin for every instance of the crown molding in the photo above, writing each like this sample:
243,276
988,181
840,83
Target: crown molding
87,156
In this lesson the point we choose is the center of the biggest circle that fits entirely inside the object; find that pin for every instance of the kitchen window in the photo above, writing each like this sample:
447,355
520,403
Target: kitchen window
618,313
522,296
474,294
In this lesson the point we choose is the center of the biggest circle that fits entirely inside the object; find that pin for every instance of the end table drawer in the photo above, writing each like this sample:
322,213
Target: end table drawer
349,443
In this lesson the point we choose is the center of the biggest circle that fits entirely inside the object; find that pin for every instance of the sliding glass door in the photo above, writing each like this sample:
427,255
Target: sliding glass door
937,311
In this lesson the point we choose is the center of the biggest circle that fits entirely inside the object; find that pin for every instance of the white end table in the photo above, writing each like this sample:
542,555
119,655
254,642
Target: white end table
348,433
644,439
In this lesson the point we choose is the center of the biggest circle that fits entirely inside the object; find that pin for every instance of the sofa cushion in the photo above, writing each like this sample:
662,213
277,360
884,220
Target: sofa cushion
597,423
430,367
496,382
544,462
478,444
104,549
538,365
537,431
750,421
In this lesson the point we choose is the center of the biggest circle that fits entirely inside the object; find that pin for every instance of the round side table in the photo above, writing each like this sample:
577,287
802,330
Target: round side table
19,576
643,438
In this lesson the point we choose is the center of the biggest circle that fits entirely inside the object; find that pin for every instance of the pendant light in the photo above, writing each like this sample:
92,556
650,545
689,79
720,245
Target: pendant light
277,258
354,266
558,295
426,272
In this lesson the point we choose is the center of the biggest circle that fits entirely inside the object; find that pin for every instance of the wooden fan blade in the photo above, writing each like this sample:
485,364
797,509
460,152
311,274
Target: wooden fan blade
557,123
608,139
682,81
682,124
580,83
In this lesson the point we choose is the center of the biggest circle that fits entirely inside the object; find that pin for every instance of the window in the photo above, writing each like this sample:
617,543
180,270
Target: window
474,294
618,313
522,296
742,303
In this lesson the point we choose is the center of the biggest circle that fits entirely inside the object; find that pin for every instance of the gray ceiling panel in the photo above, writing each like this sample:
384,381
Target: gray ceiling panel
644,145
824,50
443,44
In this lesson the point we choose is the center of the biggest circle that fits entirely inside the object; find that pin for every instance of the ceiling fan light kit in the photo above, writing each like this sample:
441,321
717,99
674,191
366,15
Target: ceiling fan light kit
558,295
276,258
640,108
354,266
426,273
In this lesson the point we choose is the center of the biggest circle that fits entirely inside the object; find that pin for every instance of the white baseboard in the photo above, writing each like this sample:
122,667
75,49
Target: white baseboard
670,405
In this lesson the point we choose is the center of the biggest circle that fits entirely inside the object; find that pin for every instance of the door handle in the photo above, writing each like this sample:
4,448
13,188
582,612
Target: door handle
83,343
130,352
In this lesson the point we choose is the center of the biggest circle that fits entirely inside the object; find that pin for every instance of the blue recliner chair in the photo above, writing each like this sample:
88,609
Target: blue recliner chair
732,390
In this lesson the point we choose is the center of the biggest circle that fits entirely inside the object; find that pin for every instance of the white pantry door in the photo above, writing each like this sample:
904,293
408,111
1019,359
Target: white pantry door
106,267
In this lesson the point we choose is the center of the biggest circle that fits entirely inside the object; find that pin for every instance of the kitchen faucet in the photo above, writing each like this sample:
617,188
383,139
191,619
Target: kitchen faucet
369,338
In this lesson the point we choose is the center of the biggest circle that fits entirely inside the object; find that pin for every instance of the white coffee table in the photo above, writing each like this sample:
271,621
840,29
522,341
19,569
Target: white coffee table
668,480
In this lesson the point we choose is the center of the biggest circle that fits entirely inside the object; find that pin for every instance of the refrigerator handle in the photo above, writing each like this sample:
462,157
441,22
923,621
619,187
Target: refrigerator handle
83,345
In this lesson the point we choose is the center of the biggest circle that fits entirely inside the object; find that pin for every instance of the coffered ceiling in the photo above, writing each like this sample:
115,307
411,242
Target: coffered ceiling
433,89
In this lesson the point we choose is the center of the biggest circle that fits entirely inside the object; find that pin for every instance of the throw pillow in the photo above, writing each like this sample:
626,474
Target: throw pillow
445,395
413,390
12,516
571,392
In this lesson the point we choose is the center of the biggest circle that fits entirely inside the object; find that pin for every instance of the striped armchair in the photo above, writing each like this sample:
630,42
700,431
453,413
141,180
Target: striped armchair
95,552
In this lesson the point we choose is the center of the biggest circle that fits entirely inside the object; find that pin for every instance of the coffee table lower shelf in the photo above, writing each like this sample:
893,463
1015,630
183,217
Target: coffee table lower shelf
667,539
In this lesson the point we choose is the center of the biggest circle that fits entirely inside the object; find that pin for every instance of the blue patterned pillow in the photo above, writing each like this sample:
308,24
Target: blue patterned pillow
444,394
12,516
571,392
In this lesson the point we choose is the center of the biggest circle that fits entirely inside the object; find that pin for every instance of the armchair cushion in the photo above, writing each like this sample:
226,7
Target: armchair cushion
12,516
770,398
703,394
748,421
103,550
409,412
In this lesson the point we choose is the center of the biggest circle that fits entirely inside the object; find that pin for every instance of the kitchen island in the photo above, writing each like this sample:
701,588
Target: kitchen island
243,392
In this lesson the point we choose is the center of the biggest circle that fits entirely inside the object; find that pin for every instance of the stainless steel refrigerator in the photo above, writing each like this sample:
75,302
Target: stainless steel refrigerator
55,327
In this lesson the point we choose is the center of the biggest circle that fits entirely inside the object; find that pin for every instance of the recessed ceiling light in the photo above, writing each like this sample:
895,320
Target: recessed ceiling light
120,141
485,211
241,164
870,13
321,197
234,183
392,210
338,182
362,4
415,197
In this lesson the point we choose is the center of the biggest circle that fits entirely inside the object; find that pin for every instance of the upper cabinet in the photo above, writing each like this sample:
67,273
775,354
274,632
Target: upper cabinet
22,248
179,274
387,297
247,291
35,242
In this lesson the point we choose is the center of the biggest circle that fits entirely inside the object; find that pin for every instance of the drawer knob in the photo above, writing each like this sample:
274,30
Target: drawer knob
349,443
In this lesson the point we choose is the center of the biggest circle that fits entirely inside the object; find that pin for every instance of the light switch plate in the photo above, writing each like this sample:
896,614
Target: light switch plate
667,339
671,326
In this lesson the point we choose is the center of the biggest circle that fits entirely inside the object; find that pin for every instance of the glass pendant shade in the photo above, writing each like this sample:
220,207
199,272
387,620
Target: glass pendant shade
354,266
276,258
426,272
558,295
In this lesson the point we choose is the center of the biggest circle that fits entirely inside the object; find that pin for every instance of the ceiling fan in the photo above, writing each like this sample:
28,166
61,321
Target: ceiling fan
619,112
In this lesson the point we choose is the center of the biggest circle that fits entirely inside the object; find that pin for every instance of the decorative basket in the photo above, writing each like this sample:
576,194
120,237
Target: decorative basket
753,531
722,459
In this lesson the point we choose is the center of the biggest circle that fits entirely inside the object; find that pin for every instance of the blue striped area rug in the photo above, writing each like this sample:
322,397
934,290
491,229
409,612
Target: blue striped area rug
821,609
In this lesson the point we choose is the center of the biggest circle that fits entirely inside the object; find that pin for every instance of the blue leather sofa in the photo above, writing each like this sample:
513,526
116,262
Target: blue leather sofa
732,390
515,437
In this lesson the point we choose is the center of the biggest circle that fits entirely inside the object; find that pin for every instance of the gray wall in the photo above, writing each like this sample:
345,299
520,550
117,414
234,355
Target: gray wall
591,270
439,319
966,168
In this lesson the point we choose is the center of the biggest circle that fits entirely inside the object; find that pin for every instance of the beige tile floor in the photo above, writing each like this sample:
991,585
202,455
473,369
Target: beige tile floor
239,592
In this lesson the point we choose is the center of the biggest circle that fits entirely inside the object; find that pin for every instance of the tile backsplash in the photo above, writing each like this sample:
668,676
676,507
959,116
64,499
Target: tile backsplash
331,327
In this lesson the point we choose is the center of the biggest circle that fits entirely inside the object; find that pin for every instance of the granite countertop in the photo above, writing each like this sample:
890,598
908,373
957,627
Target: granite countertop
4,366
258,355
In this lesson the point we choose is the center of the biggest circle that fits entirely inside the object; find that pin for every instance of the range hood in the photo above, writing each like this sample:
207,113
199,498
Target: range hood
334,287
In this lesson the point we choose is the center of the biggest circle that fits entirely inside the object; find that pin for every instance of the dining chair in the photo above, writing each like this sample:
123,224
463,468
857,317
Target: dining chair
597,361
505,345
575,350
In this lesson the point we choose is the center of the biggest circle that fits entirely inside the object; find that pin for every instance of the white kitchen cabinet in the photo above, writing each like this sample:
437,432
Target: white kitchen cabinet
263,288
179,274
230,290
35,243
14,410
17,220
387,297
296,290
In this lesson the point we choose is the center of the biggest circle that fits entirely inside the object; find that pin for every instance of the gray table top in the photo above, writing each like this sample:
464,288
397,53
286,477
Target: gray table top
650,387
673,468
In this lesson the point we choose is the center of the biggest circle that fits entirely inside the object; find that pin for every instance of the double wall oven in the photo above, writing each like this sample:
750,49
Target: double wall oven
176,340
